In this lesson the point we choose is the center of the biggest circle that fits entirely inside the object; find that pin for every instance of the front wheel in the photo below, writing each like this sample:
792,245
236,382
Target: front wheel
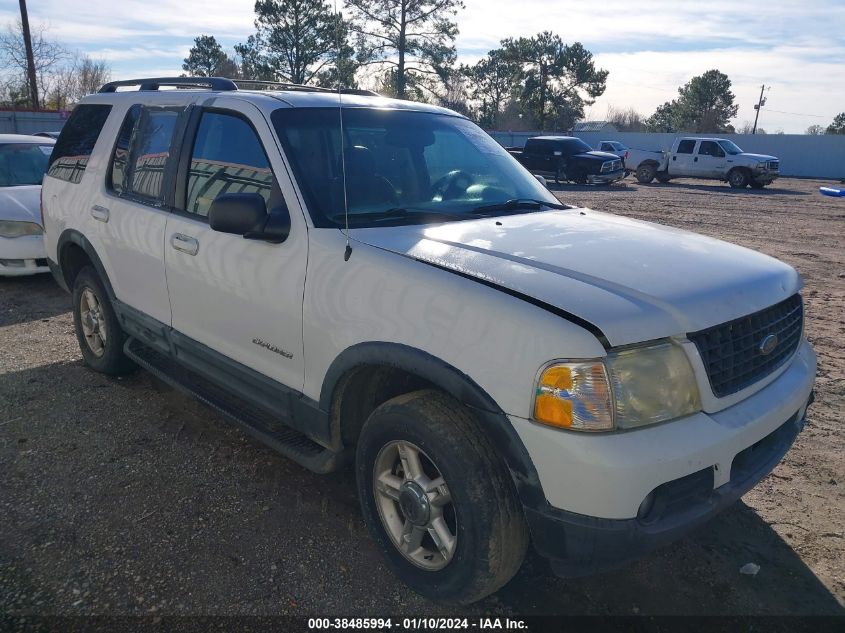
437,500
646,173
663,178
738,178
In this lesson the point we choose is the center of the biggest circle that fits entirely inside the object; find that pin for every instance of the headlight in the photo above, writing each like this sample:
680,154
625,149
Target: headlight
763,165
10,228
628,389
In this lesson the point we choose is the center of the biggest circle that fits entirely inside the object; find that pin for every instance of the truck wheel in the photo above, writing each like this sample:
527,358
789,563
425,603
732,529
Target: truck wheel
663,177
437,500
646,173
580,178
738,178
98,331
559,176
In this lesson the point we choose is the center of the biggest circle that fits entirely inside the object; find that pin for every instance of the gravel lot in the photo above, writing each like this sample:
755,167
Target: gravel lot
121,496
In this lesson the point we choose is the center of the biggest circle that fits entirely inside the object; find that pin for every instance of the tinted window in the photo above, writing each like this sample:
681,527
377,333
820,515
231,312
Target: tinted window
402,167
76,142
150,150
686,146
710,148
572,146
227,158
120,160
23,163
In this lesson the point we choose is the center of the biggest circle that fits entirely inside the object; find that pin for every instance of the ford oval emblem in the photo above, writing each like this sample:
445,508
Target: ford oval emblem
768,344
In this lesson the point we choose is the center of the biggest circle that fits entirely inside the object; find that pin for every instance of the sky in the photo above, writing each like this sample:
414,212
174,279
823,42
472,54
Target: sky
795,48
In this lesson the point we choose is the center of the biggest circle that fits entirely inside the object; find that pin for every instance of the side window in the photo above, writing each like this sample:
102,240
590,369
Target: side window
686,146
150,150
606,147
120,161
227,157
76,142
710,148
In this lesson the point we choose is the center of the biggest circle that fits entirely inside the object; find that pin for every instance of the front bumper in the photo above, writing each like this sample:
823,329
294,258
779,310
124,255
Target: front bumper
766,177
606,179
596,485
22,256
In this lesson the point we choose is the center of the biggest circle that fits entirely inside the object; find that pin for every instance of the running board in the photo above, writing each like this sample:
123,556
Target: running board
261,425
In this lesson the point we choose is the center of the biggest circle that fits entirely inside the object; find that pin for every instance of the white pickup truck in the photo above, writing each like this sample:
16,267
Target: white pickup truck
708,158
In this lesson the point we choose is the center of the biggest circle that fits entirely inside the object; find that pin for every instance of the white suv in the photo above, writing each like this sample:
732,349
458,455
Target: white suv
500,368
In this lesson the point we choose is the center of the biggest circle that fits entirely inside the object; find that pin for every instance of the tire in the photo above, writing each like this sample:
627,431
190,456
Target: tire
663,178
580,178
98,331
487,535
646,173
754,184
559,176
738,178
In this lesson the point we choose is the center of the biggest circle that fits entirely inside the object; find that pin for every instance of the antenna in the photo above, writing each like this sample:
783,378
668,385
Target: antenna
348,252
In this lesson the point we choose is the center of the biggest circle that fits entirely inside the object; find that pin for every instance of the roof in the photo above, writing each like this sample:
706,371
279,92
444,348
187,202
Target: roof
289,98
25,138
548,137
594,126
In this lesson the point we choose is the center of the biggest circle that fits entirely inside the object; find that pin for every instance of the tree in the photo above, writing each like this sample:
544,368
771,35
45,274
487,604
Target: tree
704,104
414,38
47,56
558,79
208,59
492,84
83,76
626,119
838,125
295,41
815,130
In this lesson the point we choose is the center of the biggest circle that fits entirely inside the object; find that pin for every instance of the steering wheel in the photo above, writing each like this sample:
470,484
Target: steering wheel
452,185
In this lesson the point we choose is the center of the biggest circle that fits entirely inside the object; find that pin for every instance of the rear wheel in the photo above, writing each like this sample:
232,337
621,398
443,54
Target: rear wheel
98,331
437,500
738,178
646,173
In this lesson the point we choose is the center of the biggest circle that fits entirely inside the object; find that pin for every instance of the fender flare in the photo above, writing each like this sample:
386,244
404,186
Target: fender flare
492,420
72,236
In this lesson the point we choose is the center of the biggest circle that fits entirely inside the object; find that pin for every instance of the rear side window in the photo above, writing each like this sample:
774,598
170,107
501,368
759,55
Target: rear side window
76,142
23,163
227,157
142,152
686,146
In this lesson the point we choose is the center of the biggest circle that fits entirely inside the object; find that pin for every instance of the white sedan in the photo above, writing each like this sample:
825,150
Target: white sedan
23,161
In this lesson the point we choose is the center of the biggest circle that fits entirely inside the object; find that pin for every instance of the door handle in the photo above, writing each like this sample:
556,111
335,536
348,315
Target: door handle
100,213
184,243
695,160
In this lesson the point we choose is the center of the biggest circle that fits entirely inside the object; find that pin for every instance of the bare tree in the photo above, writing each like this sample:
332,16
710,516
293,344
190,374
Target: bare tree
816,130
47,56
626,119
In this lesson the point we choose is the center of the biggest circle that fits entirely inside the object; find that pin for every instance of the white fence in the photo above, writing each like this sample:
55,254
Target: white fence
800,155
25,122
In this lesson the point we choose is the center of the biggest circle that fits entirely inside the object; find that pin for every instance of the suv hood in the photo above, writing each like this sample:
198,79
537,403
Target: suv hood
758,156
22,204
596,155
635,281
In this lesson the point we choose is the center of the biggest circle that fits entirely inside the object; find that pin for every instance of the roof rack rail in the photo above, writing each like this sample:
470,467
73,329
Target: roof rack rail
284,85
154,83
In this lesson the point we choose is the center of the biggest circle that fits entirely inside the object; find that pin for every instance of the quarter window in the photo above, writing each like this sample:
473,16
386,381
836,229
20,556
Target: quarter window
76,142
120,161
227,157
686,146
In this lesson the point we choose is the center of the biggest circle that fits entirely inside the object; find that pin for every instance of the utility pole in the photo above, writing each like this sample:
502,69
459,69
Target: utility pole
757,107
30,61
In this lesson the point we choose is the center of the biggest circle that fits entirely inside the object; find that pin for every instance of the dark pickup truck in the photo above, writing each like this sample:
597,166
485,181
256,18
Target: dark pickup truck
568,158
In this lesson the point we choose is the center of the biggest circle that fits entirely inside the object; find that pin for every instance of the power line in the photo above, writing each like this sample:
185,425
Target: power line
817,116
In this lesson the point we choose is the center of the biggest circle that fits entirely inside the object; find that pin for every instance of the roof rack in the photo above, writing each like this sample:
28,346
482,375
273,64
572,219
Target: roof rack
154,83
222,84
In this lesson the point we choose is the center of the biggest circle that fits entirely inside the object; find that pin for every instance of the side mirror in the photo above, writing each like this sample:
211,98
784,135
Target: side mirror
246,214
541,180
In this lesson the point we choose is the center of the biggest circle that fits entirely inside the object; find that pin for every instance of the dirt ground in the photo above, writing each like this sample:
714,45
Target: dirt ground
121,496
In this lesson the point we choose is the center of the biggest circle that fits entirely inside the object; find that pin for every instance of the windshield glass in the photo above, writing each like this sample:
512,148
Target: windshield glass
730,147
23,163
401,167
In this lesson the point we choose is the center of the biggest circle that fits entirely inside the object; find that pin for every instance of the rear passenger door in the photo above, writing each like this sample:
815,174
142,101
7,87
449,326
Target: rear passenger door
681,163
240,297
131,212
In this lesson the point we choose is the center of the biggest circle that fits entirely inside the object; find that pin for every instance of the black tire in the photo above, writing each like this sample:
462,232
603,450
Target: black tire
580,178
738,178
646,173
490,530
559,176
663,178
110,360
754,184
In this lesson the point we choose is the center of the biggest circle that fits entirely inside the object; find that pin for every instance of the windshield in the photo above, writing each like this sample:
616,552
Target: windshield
730,147
23,163
401,167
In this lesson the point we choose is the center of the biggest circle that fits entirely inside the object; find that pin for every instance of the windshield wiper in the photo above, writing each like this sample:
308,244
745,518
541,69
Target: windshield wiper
515,204
402,212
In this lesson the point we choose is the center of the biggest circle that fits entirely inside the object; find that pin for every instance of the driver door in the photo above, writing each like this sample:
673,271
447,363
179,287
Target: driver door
239,297
709,160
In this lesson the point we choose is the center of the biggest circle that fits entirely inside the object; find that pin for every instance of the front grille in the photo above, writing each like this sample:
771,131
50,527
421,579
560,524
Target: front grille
773,165
611,165
731,351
